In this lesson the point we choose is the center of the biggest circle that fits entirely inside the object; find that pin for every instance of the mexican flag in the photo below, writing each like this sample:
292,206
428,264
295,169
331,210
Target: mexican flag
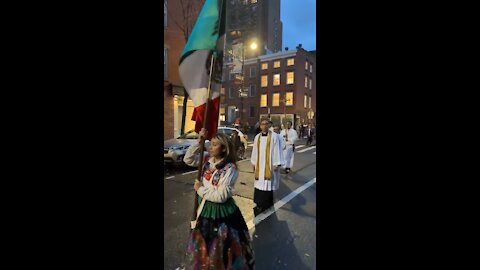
207,38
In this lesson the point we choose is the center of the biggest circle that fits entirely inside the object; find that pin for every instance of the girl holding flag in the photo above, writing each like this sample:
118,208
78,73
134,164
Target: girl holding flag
220,239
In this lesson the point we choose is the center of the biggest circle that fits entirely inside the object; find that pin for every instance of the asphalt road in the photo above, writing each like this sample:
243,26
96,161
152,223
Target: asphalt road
283,240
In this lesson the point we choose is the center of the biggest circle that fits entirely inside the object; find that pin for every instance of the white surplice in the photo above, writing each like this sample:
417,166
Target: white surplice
288,153
275,160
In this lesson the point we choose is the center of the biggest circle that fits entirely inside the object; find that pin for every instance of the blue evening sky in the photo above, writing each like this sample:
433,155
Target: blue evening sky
299,26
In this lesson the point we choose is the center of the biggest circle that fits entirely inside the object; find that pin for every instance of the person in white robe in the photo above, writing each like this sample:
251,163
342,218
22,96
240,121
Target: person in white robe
276,130
289,136
266,161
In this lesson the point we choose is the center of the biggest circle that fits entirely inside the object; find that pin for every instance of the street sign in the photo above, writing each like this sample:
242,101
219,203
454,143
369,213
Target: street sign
310,114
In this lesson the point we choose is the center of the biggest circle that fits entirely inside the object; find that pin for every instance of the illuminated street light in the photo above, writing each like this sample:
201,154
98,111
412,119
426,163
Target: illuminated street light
253,46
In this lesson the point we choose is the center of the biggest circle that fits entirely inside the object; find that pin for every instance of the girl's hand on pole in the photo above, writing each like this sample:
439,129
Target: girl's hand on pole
197,185
203,133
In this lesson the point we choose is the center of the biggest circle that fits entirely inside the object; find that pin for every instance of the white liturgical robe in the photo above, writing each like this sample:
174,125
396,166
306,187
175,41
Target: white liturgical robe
260,155
288,153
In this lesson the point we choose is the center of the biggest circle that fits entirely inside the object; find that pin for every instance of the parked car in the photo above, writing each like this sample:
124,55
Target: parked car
229,130
174,149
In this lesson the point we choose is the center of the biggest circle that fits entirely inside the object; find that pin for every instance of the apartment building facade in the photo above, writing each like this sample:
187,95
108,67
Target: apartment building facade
277,86
175,18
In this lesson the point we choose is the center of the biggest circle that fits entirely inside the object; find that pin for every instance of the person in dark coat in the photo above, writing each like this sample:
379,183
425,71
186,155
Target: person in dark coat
238,145
310,134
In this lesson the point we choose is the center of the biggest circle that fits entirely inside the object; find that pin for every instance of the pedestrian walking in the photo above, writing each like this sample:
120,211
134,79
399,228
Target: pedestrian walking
266,161
271,127
310,134
238,145
277,129
289,136
220,239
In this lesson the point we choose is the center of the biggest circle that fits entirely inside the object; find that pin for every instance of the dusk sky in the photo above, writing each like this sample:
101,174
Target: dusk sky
299,24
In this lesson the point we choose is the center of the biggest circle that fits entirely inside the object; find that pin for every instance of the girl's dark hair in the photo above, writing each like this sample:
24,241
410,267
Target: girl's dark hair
230,154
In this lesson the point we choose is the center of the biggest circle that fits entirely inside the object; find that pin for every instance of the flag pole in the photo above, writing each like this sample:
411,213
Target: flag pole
202,139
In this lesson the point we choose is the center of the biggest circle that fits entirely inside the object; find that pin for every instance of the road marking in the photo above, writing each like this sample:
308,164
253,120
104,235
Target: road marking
277,205
189,172
314,153
300,146
306,149
170,177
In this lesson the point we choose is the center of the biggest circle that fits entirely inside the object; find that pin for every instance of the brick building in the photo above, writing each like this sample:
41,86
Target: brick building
173,44
269,80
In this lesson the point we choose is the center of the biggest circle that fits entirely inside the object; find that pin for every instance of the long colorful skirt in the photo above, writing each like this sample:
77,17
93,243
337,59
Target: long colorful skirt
221,239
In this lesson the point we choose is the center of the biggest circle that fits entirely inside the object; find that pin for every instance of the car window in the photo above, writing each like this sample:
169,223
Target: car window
227,131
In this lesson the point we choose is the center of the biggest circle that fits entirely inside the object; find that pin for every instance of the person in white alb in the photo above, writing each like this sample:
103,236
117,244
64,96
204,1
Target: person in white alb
266,161
289,136
276,130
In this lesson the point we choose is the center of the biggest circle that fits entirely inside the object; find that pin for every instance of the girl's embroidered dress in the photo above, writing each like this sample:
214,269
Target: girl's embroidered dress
221,239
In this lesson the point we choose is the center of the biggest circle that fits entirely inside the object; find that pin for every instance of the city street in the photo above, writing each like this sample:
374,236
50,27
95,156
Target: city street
283,238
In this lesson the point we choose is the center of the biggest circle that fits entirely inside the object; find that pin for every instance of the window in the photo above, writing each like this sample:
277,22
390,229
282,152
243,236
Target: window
222,110
306,65
276,99
264,80
231,76
306,81
164,14
276,79
291,62
264,66
231,92
254,1
289,97
263,100
311,65
222,91
253,72
252,90
165,58
252,111
290,77
305,101
310,83
309,102
276,64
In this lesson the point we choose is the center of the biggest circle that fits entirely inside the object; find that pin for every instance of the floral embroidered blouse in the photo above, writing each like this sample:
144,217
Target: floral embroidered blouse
218,179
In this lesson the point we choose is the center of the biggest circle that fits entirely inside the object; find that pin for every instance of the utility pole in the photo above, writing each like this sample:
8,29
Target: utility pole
284,101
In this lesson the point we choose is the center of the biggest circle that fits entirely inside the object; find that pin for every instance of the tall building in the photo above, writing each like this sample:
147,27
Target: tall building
257,21
279,86
271,25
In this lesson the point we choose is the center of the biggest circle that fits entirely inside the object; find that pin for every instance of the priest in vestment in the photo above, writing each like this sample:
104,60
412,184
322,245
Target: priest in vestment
266,161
